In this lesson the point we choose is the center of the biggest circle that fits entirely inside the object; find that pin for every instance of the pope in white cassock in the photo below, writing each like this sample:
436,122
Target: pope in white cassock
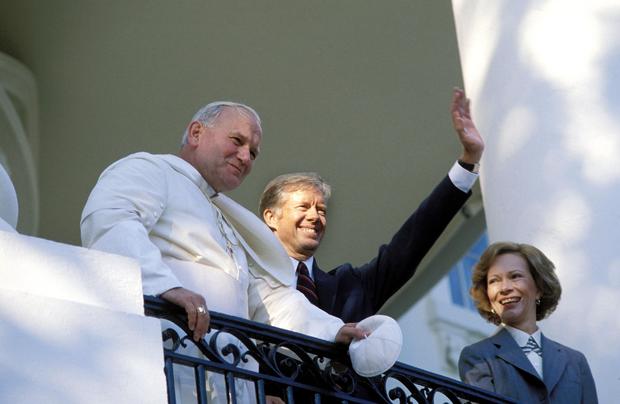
196,247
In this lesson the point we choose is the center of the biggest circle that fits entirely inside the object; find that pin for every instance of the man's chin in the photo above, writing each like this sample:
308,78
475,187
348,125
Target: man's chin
311,246
231,184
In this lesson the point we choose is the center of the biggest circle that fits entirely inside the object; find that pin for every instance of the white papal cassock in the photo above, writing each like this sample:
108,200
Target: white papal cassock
159,210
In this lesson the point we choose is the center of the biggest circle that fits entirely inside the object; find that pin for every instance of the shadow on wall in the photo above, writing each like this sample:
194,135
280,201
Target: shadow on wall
19,140
9,208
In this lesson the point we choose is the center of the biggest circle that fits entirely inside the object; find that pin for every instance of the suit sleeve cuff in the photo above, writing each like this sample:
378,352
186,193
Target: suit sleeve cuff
462,178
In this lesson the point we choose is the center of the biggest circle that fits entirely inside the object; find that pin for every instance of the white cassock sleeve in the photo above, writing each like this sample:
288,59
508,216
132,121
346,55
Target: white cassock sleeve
126,202
285,307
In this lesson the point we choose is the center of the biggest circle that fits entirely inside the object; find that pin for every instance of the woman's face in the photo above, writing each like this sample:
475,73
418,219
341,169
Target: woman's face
512,292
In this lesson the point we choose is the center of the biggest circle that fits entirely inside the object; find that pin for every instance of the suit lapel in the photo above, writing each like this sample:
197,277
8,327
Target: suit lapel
325,289
509,351
554,362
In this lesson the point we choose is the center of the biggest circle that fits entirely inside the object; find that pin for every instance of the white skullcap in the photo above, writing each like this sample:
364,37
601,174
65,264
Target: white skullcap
8,202
379,351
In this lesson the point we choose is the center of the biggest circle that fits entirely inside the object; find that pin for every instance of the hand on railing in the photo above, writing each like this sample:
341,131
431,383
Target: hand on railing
194,305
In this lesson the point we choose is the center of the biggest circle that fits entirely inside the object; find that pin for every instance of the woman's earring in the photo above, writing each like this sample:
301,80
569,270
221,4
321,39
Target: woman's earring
538,302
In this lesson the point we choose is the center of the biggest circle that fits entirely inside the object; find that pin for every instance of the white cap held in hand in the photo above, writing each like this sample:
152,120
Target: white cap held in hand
379,351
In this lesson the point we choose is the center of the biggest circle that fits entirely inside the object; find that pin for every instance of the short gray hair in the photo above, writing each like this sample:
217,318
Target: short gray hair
271,197
208,114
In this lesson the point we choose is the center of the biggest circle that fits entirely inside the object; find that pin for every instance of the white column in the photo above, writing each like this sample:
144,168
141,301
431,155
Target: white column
543,78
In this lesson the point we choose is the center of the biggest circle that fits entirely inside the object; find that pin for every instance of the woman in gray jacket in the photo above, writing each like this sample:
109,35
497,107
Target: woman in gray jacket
514,286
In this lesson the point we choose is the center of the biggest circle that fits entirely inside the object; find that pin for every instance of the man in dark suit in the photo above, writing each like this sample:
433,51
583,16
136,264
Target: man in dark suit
294,206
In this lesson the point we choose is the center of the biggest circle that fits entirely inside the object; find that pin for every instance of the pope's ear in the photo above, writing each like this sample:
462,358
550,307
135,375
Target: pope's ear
194,132
270,218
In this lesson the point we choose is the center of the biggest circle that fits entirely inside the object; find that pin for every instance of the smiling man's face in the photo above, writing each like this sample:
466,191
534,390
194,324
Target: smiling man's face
224,152
299,221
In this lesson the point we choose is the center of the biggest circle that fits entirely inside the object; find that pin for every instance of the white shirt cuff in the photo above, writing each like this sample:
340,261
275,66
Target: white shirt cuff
461,178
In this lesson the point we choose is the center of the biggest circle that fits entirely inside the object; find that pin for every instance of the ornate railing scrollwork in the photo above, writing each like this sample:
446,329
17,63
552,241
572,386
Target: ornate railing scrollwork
298,368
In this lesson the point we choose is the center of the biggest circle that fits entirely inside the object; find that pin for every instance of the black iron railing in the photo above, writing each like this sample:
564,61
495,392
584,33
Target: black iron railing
294,367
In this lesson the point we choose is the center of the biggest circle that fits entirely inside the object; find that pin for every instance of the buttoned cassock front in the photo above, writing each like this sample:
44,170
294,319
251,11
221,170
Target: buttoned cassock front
159,210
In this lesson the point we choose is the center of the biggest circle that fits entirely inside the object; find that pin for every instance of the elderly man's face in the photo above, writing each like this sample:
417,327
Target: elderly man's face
299,222
225,152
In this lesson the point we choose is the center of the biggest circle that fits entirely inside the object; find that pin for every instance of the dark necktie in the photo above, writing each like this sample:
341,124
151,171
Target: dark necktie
305,284
532,346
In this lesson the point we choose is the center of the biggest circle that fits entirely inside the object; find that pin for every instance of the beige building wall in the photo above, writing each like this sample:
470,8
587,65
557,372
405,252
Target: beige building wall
358,91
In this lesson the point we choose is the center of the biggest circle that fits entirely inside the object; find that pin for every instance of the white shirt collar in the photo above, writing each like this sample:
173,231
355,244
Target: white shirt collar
521,336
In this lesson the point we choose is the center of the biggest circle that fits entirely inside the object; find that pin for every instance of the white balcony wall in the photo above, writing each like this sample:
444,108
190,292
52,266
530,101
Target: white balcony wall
72,327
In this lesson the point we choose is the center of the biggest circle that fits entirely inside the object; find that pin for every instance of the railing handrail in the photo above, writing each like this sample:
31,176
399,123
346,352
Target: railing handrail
160,308
252,329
